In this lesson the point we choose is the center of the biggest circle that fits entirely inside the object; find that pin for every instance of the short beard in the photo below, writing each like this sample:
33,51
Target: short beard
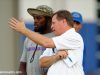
41,29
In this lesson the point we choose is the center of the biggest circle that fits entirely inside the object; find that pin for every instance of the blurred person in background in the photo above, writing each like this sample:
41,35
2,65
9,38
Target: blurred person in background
29,62
89,70
77,17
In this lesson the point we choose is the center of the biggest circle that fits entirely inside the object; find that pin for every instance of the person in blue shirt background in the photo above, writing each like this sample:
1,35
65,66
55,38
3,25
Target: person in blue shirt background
89,60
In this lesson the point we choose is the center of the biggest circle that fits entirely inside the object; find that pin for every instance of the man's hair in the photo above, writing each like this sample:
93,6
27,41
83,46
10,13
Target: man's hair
64,14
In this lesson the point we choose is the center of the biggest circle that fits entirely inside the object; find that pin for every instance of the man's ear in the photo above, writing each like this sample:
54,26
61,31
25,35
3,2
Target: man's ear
80,26
64,21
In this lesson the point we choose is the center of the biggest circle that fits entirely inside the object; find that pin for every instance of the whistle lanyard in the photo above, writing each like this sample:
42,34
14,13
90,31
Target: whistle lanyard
32,58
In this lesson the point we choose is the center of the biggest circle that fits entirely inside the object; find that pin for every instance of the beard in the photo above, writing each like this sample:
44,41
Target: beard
41,29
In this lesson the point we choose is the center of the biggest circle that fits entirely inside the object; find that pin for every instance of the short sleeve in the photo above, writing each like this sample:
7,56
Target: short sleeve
67,42
47,52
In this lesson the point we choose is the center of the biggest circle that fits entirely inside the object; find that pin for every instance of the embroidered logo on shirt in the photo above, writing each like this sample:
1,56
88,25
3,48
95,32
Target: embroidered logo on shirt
38,48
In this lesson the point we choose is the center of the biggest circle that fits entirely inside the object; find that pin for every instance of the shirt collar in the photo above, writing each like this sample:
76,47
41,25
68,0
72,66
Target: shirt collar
70,30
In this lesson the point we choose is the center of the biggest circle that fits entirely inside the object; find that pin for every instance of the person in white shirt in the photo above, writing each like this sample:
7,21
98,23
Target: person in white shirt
66,39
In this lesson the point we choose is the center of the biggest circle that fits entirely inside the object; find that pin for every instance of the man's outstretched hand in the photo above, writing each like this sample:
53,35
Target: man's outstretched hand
17,25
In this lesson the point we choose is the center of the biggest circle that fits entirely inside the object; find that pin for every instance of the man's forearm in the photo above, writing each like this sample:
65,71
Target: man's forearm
22,68
39,39
47,61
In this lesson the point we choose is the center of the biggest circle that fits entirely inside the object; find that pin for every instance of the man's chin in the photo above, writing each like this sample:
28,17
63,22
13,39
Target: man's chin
36,30
55,33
